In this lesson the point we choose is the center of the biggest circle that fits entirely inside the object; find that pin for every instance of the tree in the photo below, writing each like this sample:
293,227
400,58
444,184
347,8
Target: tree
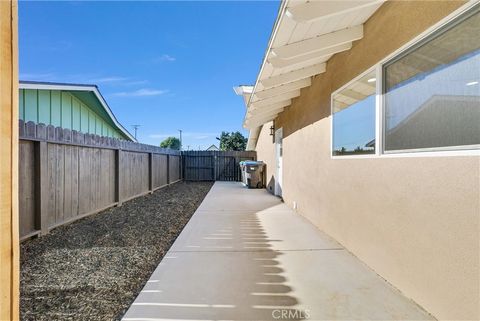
232,141
171,142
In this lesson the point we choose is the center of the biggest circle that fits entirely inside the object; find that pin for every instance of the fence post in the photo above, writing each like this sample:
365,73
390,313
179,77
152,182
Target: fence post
181,160
168,169
150,172
180,167
214,166
41,197
118,177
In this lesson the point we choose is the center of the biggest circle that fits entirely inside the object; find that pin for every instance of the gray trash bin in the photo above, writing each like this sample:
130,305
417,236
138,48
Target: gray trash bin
252,173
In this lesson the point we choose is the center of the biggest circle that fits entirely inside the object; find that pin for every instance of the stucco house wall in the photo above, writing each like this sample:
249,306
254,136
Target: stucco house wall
414,220
267,148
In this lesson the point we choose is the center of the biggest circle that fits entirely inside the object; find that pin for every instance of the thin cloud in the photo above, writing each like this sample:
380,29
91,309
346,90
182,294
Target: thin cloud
83,79
38,76
162,135
163,58
191,135
201,137
117,81
108,80
144,92
135,82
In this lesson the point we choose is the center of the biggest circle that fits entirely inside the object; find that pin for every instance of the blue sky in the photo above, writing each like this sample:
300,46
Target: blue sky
163,65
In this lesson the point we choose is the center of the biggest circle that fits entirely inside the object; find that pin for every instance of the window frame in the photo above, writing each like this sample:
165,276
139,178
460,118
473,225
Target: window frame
456,17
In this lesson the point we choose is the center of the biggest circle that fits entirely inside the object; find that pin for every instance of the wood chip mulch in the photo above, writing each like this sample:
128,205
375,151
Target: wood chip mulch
94,268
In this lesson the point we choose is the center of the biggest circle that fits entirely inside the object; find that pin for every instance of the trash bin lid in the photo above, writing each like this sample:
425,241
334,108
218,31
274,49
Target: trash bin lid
251,163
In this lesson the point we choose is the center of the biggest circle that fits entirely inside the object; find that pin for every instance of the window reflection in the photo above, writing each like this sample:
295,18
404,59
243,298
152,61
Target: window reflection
432,93
354,118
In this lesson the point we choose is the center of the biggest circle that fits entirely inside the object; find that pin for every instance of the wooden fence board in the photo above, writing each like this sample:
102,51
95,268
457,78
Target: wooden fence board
160,171
90,179
51,182
75,181
27,186
59,180
108,167
214,165
67,190
83,177
135,171
174,168
95,181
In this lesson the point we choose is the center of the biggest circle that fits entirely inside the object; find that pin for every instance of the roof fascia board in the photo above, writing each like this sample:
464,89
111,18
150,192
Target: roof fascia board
48,86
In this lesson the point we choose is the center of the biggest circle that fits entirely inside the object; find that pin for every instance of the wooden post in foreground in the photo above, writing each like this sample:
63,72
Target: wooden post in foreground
150,172
41,196
9,239
118,177
168,169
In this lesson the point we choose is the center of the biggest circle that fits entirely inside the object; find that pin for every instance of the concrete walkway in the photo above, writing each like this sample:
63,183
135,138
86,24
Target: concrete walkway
244,255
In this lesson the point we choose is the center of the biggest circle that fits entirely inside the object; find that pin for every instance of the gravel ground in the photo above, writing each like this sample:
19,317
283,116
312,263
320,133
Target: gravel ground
94,268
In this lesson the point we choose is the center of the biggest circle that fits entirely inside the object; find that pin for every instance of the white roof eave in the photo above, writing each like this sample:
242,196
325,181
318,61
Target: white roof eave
294,56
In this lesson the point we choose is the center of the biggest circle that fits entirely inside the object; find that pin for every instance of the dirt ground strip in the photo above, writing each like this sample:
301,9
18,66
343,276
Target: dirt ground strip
94,268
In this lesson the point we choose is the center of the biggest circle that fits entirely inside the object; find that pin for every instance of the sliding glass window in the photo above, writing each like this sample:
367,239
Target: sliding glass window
432,91
354,118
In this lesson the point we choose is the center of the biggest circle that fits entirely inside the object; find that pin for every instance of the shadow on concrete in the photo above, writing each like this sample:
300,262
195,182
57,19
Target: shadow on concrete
244,255
236,273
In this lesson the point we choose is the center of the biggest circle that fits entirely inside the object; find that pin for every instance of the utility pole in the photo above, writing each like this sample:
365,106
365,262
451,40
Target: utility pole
180,139
135,127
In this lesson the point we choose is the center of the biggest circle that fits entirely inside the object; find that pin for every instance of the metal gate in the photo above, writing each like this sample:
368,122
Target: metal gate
214,165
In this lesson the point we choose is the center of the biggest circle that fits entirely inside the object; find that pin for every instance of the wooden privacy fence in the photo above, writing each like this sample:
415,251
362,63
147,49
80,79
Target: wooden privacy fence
214,165
65,175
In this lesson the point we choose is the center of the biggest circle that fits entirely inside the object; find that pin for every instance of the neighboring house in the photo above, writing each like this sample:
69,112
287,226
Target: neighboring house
375,115
72,106
214,148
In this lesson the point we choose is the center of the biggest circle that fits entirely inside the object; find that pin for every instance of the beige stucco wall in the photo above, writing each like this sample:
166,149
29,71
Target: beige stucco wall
268,155
415,221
